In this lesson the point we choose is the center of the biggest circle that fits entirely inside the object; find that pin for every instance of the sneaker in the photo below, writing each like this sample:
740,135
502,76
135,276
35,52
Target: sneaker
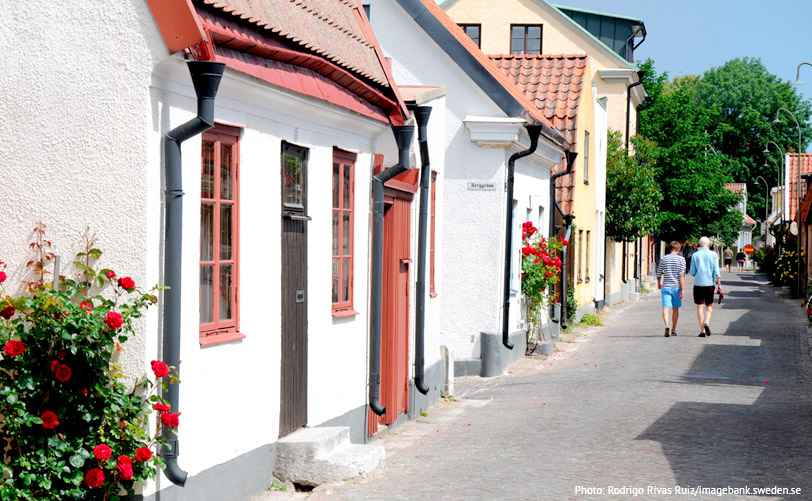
707,330
701,334
666,332
673,333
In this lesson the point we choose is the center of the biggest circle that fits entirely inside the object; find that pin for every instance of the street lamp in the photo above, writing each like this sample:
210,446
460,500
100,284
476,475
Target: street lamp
766,196
798,74
798,212
781,174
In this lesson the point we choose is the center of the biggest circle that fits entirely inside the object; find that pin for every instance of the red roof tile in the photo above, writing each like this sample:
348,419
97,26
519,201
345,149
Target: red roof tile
806,168
487,64
736,187
749,220
333,29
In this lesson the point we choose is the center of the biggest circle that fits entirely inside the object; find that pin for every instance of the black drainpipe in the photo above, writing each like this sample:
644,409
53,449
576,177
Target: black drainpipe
553,230
533,131
421,114
629,87
403,138
564,286
206,77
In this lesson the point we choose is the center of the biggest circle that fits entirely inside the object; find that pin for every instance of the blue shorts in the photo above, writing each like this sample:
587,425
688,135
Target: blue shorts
671,297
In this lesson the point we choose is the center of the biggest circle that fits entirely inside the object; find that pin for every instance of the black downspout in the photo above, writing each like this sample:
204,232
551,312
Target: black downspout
403,138
564,286
533,131
421,114
629,87
206,77
570,156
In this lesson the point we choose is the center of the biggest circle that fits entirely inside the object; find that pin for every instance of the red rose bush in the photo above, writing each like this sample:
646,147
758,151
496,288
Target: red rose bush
541,270
76,430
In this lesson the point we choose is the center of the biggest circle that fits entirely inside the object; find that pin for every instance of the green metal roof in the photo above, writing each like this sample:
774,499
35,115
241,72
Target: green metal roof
615,32
587,11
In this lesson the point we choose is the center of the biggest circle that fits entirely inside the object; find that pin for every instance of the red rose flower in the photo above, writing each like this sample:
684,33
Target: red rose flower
84,391
3,276
113,320
86,306
143,454
14,348
126,283
94,478
124,460
563,241
49,420
125,471
62,373
102,451
159,368
161,407
7,312
170,419
110,275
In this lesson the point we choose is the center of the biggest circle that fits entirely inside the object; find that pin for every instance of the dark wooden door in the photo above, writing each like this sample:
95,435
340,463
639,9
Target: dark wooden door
293,405
397,265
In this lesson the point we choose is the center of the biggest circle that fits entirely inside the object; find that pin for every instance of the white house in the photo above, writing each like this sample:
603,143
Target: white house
483,124
271,252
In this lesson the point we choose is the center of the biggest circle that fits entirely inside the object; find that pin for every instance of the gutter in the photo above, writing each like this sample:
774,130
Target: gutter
553,230
206,77
564,287
533,131
403,138
421,114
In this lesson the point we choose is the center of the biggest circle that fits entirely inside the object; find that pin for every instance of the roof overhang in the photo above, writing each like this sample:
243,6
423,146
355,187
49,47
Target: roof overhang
509,133
178,23
625,76
421,94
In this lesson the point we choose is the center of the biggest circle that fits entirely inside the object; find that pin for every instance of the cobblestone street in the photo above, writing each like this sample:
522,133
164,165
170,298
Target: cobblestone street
627,408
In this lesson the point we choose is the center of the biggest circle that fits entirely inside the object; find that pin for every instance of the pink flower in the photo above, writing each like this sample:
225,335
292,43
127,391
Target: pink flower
102,452
110,275
3,276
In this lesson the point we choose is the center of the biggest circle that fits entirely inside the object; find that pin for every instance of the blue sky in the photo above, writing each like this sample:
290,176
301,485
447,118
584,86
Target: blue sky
691,36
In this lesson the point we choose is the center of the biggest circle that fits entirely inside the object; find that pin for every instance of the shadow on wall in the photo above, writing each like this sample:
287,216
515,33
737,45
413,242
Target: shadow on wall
737,441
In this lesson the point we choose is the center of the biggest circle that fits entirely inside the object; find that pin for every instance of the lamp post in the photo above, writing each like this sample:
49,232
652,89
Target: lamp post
801,280
798,74
781,174
766,196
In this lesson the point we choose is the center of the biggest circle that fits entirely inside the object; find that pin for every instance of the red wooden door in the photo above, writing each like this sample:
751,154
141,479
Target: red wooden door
395,314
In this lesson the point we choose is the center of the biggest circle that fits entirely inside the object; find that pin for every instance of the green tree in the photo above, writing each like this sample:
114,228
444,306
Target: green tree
632,195
713,129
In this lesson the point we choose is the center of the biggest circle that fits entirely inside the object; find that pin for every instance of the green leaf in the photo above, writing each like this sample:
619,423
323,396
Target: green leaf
12,398
77,461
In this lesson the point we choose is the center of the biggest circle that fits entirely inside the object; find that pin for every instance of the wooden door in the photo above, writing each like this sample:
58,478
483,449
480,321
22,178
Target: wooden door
293,401
395,315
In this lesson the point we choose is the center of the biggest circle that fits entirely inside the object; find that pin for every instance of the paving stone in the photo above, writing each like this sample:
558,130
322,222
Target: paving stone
623,407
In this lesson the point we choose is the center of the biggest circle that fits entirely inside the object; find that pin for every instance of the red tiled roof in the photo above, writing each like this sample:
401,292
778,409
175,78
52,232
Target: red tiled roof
483,59
749,220
332,29
552,83
806,168
736,187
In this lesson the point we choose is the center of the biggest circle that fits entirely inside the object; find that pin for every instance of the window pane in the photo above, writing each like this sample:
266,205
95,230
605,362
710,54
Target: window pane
473,32
517,32
293,180
206,294
207,232
226,230
336,184
345,279
517,46
226,191
347,187
335,280
533,46
207,171
534,32
336,236
345,237
225,292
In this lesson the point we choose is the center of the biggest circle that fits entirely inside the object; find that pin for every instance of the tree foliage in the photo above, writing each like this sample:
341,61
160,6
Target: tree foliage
712,130
632,195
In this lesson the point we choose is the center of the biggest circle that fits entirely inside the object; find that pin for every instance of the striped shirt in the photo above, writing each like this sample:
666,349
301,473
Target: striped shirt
671,267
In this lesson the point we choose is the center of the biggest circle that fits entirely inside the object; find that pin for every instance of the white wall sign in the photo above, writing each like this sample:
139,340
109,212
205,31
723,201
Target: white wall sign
481,185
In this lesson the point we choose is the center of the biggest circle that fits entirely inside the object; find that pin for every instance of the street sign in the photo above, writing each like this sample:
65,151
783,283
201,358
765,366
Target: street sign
481,186
749,249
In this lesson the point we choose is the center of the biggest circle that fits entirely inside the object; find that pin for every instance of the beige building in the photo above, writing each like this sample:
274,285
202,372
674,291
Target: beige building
530,27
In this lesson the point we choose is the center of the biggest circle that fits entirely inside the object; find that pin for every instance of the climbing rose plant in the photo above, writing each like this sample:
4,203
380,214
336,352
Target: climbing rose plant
541,269
72,428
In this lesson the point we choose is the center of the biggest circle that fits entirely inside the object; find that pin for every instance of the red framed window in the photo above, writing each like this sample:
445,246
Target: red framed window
343,204
432,233
219,236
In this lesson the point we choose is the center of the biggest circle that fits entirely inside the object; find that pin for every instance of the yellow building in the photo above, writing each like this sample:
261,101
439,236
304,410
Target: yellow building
528,27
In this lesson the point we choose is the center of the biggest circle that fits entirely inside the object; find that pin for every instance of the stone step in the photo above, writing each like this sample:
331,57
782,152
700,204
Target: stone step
316,456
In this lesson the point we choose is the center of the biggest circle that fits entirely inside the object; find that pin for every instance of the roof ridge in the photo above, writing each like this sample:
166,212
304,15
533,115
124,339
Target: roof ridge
538,56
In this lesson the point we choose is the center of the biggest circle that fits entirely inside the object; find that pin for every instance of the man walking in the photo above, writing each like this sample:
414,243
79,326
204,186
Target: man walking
705,267
671,282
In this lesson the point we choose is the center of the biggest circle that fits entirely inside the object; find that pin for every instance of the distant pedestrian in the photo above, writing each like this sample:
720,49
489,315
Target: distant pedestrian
671,282
705,267
728,255
741,257
687,252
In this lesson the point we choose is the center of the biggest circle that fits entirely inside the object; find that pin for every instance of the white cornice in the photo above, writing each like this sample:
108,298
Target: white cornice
618,75
509,134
